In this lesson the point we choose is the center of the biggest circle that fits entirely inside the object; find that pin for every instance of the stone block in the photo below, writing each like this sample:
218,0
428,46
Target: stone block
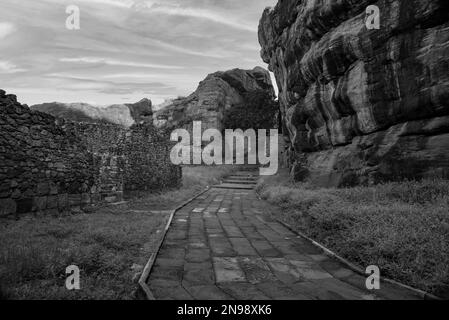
43,188
85,199
7,207
53,188
52,202
228,270
39,203
74,200
96,198
24,205
51,212
16,194
63,201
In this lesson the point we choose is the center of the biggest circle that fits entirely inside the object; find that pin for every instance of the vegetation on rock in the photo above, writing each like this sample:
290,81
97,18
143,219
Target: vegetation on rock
257,111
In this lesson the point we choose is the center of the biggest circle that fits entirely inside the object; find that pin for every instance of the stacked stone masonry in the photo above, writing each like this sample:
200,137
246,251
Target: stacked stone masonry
49,165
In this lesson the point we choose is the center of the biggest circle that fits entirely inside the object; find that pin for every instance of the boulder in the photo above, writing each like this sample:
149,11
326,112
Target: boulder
142,111
357,102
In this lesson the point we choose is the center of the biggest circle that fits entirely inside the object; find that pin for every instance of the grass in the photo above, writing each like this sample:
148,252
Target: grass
105,244
36,251
401,227
205,176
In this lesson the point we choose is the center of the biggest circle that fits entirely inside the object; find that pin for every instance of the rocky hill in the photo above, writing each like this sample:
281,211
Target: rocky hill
360,105
216,93
122,114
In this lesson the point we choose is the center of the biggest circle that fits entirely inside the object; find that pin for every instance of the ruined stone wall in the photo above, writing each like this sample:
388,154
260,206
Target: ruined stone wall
148,164
43,167
106,142
49,165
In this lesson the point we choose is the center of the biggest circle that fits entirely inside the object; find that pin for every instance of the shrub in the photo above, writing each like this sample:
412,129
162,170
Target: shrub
258,111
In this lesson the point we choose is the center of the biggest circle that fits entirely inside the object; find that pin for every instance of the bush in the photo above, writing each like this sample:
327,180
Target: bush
258,111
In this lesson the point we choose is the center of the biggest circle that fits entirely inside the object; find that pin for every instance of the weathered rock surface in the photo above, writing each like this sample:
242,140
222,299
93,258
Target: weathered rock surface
362,105
218,92
122,114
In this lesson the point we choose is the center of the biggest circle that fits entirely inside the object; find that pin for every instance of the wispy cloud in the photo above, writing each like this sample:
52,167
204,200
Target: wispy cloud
214,16
206,53
6,29
126,49
9,68
115,3
112,62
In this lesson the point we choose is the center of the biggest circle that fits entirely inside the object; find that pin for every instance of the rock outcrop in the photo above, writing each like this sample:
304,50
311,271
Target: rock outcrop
360,105
218,92
123,114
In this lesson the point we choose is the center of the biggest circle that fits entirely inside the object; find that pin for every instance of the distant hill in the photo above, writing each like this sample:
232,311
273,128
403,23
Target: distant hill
122,114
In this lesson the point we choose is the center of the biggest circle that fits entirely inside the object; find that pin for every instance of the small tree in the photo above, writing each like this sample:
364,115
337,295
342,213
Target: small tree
258,111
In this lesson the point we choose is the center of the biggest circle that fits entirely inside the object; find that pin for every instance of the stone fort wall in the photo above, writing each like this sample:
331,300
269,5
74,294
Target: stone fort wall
48,165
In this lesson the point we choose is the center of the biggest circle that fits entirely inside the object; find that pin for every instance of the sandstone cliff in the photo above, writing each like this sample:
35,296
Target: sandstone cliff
218,92
122,114
361,105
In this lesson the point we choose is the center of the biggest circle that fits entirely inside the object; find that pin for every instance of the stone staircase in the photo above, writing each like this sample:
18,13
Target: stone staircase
245,180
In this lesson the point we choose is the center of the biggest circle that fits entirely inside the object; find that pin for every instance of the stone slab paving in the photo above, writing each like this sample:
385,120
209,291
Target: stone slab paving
224,246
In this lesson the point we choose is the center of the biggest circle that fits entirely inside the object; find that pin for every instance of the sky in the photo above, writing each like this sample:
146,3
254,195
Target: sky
125,50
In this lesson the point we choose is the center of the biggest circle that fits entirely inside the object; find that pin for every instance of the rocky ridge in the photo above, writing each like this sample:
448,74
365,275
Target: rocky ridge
122,114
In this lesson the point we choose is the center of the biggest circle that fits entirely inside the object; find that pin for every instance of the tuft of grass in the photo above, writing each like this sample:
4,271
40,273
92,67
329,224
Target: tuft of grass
403,227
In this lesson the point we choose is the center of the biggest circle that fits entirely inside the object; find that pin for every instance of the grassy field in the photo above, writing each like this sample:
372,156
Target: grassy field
105,244
401,227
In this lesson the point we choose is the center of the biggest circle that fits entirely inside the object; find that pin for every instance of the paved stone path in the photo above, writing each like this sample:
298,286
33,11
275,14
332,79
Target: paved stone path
223,246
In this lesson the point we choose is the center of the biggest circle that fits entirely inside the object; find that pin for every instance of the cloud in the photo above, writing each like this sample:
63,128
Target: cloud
125,48
101,85
115,3
206,53
9,68
6,29
112,62
199,13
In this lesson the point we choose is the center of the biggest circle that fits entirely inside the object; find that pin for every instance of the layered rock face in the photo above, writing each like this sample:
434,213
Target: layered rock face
123,114
218,92
360,105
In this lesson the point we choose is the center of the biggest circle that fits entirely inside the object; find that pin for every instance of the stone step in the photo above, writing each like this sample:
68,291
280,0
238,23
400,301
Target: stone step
239,181
242,178
234,186
248,176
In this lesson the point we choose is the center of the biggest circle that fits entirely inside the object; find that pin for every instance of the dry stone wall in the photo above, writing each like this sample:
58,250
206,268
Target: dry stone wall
148,165
49,165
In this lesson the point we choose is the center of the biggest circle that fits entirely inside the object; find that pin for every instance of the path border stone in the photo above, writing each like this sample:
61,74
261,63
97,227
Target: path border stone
149,266
420,293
